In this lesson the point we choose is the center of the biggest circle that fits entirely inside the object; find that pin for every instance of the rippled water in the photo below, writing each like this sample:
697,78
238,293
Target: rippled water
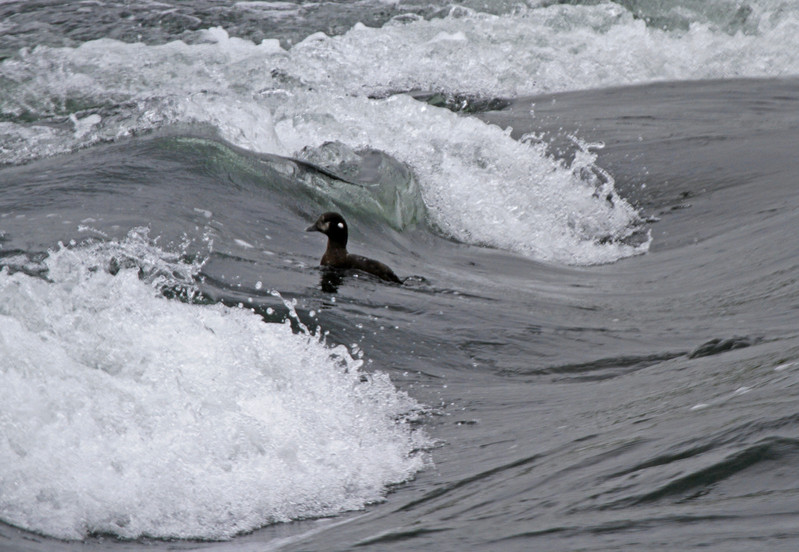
596,342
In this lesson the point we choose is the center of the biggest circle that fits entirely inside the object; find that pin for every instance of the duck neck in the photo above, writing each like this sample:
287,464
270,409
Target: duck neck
336,252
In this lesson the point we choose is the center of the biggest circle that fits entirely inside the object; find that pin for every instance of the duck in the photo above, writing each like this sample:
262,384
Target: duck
334,227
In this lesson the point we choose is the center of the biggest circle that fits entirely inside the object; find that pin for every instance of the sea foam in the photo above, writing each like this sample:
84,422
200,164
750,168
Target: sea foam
128,413
265,98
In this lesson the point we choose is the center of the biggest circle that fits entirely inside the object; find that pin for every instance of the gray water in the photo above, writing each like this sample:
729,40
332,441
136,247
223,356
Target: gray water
644,404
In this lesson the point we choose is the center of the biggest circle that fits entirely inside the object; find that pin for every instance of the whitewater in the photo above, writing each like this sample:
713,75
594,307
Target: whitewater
591,205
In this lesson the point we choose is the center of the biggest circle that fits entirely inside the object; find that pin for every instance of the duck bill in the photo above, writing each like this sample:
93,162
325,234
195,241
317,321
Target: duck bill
312,228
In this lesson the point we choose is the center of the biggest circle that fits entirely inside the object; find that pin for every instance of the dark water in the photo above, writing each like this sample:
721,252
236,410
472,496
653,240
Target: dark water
644,404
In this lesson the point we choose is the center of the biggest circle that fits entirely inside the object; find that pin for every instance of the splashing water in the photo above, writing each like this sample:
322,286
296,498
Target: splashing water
131,414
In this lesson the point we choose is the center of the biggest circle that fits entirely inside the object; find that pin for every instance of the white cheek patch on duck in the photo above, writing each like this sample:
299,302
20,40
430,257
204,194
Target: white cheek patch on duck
341,225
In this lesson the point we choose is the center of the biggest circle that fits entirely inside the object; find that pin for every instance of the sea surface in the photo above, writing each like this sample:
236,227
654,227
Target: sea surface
594,207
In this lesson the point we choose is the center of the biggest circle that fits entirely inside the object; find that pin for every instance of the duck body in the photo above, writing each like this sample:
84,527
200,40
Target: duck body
334,227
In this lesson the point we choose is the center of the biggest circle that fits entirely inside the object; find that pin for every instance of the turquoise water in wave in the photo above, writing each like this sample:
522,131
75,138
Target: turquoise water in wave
592,206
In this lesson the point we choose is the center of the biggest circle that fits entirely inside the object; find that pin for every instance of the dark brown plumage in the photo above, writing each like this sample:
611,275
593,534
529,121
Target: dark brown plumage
334,227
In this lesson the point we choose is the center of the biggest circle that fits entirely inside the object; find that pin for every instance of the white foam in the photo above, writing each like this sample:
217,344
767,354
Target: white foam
480,186
84,126
558,48
131,414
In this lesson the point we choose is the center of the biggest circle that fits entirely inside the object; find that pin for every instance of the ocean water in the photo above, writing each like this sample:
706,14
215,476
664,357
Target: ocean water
594,208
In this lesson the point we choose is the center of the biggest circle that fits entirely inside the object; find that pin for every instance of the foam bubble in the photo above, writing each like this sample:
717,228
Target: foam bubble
128,413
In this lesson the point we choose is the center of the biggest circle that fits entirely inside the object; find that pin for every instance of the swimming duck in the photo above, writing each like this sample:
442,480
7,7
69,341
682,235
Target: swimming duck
334,227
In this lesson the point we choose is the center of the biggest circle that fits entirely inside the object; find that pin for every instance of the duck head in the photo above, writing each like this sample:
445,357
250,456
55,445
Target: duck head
333,226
